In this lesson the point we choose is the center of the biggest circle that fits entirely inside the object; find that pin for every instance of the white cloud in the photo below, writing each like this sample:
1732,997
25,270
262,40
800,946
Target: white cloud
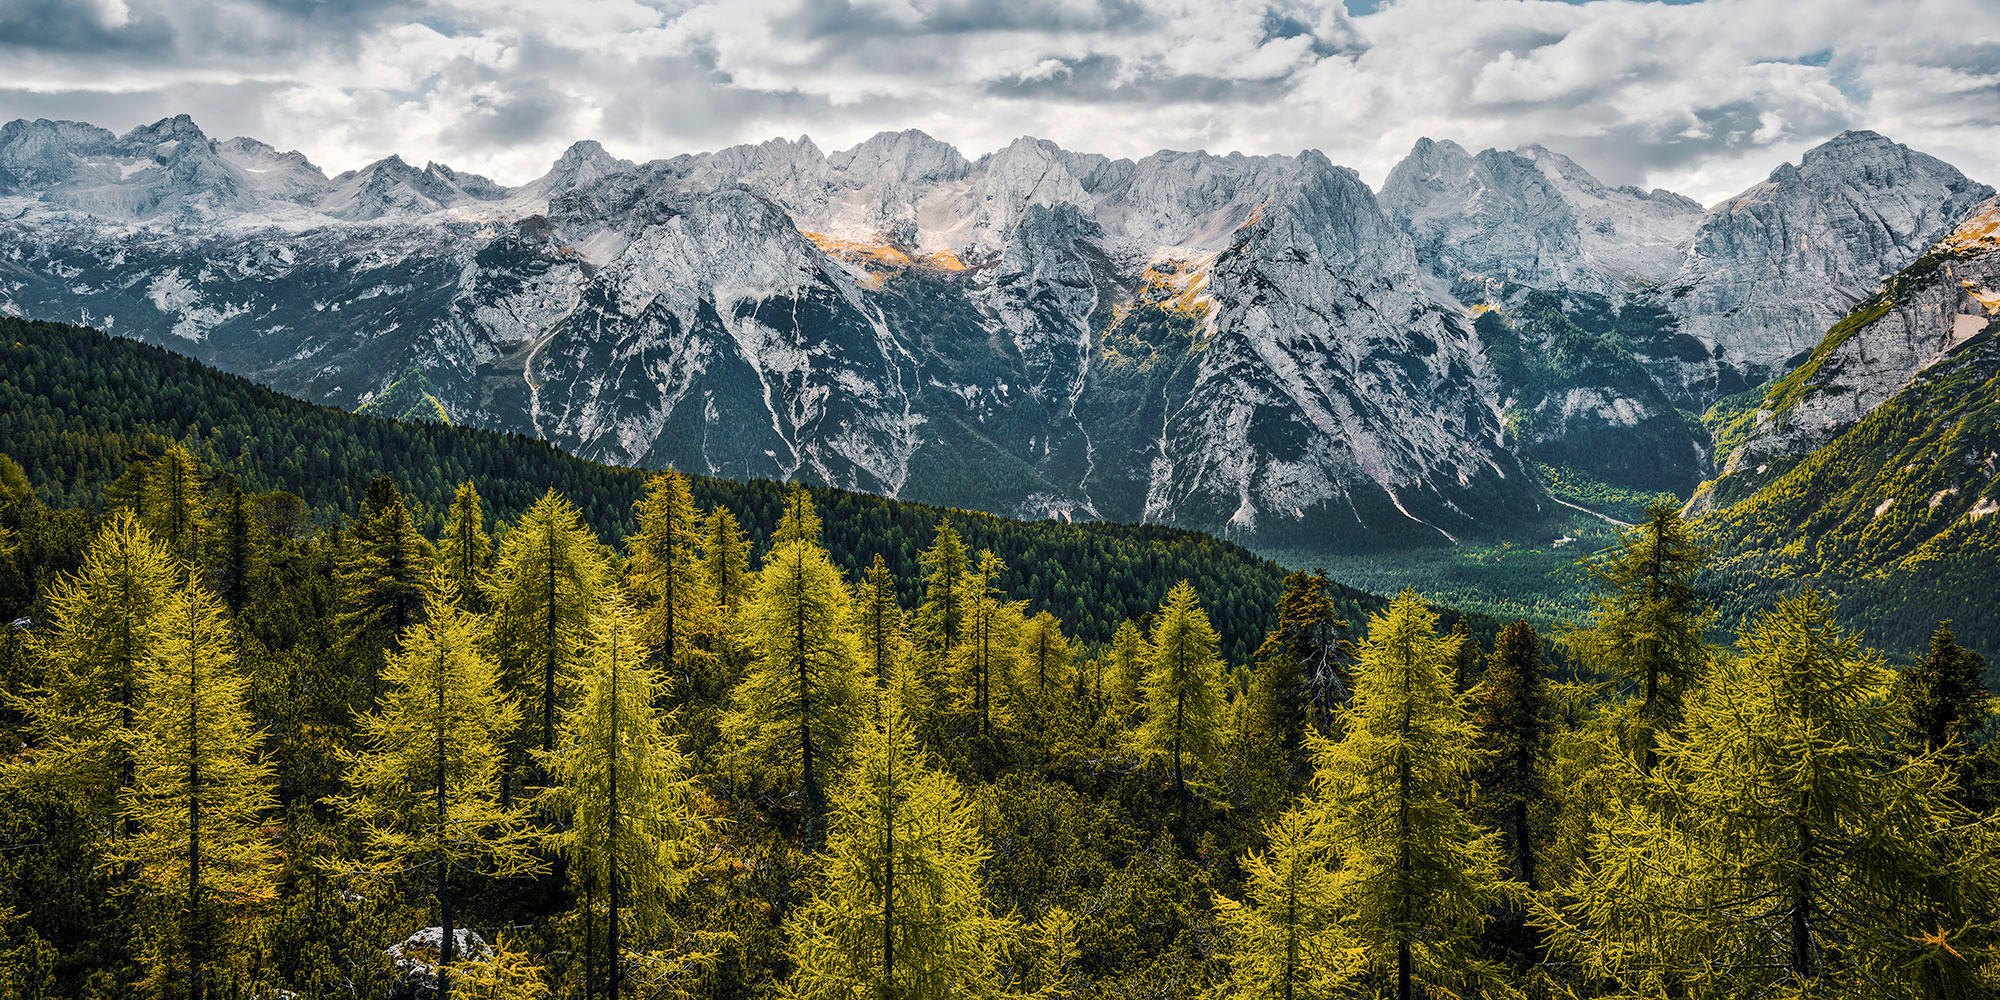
1704,98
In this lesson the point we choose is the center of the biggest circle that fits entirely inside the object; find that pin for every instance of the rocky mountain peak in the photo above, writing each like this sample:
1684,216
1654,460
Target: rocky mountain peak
39,154
583,163
1849,141
587,155
391,186
177,129
1494,214
1770,269
281,176
910,157
471,186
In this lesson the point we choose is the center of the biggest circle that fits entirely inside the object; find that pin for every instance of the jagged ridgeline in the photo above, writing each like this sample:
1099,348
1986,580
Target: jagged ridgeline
75,404
1261,347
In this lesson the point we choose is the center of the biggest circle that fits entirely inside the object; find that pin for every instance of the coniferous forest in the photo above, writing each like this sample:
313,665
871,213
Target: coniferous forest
266,739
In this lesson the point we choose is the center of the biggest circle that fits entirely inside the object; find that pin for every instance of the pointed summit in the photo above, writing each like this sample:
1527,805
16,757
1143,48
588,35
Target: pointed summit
582,164
390,186
1773,267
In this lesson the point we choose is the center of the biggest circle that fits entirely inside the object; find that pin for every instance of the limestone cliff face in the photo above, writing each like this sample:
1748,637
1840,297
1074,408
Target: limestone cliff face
1919,318
1772,268
1748,284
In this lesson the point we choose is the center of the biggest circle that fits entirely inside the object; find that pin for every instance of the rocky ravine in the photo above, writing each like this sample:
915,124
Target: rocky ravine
1252,345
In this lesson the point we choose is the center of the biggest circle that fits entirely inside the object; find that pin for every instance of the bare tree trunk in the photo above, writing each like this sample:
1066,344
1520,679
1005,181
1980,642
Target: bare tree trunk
889,881
448,941
614,974
196,954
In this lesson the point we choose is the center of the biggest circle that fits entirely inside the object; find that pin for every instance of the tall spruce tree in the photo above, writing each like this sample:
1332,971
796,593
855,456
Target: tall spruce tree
1284,939
799,705
664,568
464,549
544,589
1650,624
200,795
623,786
1513,744
799,519
902,909
1944,702
881,622
233,552
988,625
1041,660
425,787
1302,676
1125,670
1414,874
1185,704
946,565
1790,845
382,577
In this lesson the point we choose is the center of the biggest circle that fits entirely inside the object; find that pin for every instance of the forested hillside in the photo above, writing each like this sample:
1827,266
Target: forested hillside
362,741
76,404
1895,514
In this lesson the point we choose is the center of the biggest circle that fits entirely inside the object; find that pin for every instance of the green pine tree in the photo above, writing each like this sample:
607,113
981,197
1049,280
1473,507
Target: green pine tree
1513,744
796,710
234,556
544,589
946,565
1285,940
989,623
665,571
1414,874
902,909
174,502
102,626
1041,661
465,550
1185,706
1944,702
623,786
881,622
425,787
1650,624
1301,678
799,521
1125,670
382,577
726,557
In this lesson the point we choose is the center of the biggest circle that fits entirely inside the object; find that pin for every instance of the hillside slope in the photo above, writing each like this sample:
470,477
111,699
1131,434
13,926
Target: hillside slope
75,402
1894,514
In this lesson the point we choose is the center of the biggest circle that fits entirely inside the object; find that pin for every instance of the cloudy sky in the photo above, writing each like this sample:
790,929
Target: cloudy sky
1700,97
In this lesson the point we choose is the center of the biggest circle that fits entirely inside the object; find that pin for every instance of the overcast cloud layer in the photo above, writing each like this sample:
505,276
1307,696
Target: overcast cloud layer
1703,98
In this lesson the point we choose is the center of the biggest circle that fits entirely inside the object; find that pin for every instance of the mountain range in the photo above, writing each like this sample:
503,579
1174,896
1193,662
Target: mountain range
1259,346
